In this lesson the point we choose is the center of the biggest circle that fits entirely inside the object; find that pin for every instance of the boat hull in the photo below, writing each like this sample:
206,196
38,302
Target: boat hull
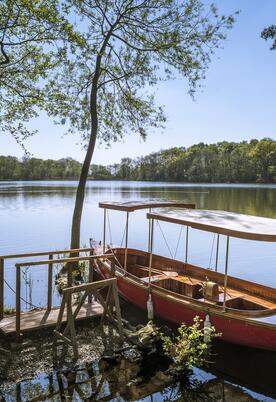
239,330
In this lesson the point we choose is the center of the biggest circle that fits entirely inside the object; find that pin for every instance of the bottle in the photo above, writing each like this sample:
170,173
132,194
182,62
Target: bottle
150,308
207,329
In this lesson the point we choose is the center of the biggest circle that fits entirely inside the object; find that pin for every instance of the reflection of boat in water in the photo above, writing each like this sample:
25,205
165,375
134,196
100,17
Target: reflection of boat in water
244,312
238,365
123,381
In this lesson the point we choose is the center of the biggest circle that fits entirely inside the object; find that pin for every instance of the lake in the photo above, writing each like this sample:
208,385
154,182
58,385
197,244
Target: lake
36,216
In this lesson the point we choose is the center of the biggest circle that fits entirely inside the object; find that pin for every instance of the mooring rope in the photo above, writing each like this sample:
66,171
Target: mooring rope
212,249
123,236
178,241
21,298
109,227
165,240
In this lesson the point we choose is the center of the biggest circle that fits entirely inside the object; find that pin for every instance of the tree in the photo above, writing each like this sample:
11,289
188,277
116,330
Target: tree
33,36
105,88
270,33
264,154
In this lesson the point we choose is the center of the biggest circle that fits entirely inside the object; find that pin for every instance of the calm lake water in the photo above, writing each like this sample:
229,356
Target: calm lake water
36,216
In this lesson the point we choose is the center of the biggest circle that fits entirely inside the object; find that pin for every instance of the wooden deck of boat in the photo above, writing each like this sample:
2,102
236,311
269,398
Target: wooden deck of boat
231,293
39,319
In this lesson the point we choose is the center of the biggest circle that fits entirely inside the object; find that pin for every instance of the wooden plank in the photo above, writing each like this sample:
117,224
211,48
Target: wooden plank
50,283
59,260
90,287
55,252
38,319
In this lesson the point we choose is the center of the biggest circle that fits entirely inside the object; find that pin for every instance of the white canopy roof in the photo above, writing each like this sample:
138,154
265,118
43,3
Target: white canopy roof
221,222
130,206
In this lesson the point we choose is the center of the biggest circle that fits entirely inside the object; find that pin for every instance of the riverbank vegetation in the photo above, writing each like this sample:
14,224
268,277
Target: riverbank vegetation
223,162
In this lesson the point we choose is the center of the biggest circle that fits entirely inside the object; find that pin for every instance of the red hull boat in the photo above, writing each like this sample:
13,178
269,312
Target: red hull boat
243,312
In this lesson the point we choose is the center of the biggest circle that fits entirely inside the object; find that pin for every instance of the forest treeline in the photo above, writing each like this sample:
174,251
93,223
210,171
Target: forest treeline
244,162
11,168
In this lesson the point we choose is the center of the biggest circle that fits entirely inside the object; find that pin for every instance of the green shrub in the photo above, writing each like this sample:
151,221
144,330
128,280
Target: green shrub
9,310
191,347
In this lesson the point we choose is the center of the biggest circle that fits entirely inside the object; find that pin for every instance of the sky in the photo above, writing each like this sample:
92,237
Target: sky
237,101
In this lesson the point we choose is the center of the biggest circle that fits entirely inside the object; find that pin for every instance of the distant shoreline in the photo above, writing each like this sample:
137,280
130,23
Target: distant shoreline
164,183
226,162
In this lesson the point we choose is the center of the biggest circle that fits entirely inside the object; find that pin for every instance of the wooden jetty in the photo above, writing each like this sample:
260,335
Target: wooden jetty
38,319
89,307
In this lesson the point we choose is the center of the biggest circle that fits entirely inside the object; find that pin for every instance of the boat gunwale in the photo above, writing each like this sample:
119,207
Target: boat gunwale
250,316
188,267
199,306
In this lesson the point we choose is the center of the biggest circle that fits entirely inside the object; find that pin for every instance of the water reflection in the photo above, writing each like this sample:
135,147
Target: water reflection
123,381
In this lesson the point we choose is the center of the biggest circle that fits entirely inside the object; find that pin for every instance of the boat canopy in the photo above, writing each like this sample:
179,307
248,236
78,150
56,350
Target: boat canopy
130,206
221,222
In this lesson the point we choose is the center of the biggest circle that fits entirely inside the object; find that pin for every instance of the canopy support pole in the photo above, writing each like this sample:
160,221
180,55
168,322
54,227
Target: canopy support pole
104,231
151,250
187,245
217,253
149,240
126,243
226,272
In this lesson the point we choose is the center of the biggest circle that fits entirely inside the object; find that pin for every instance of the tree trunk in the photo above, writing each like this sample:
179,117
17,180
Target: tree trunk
76,221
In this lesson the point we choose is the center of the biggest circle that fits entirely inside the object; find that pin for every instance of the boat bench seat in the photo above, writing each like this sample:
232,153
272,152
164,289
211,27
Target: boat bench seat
152,279
190,288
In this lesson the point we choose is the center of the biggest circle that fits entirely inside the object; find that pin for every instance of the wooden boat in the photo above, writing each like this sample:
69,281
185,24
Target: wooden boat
243,312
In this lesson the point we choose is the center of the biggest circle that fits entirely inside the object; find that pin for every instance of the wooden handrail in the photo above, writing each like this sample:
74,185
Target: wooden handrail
24,255
59,260
36,254
87,286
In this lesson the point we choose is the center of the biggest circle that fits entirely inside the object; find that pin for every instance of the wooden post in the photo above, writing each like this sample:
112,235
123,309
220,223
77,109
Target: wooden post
50,283
149,232
1,288
18,304
226,272
151,249
117,307
112,266
71,324
217,253
90,276
187,245
126,244
104,231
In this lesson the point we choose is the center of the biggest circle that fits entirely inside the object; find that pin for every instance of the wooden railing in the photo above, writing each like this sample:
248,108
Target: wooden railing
49,262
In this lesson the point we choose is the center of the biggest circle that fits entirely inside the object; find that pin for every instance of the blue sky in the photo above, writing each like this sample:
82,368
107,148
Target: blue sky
237,102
